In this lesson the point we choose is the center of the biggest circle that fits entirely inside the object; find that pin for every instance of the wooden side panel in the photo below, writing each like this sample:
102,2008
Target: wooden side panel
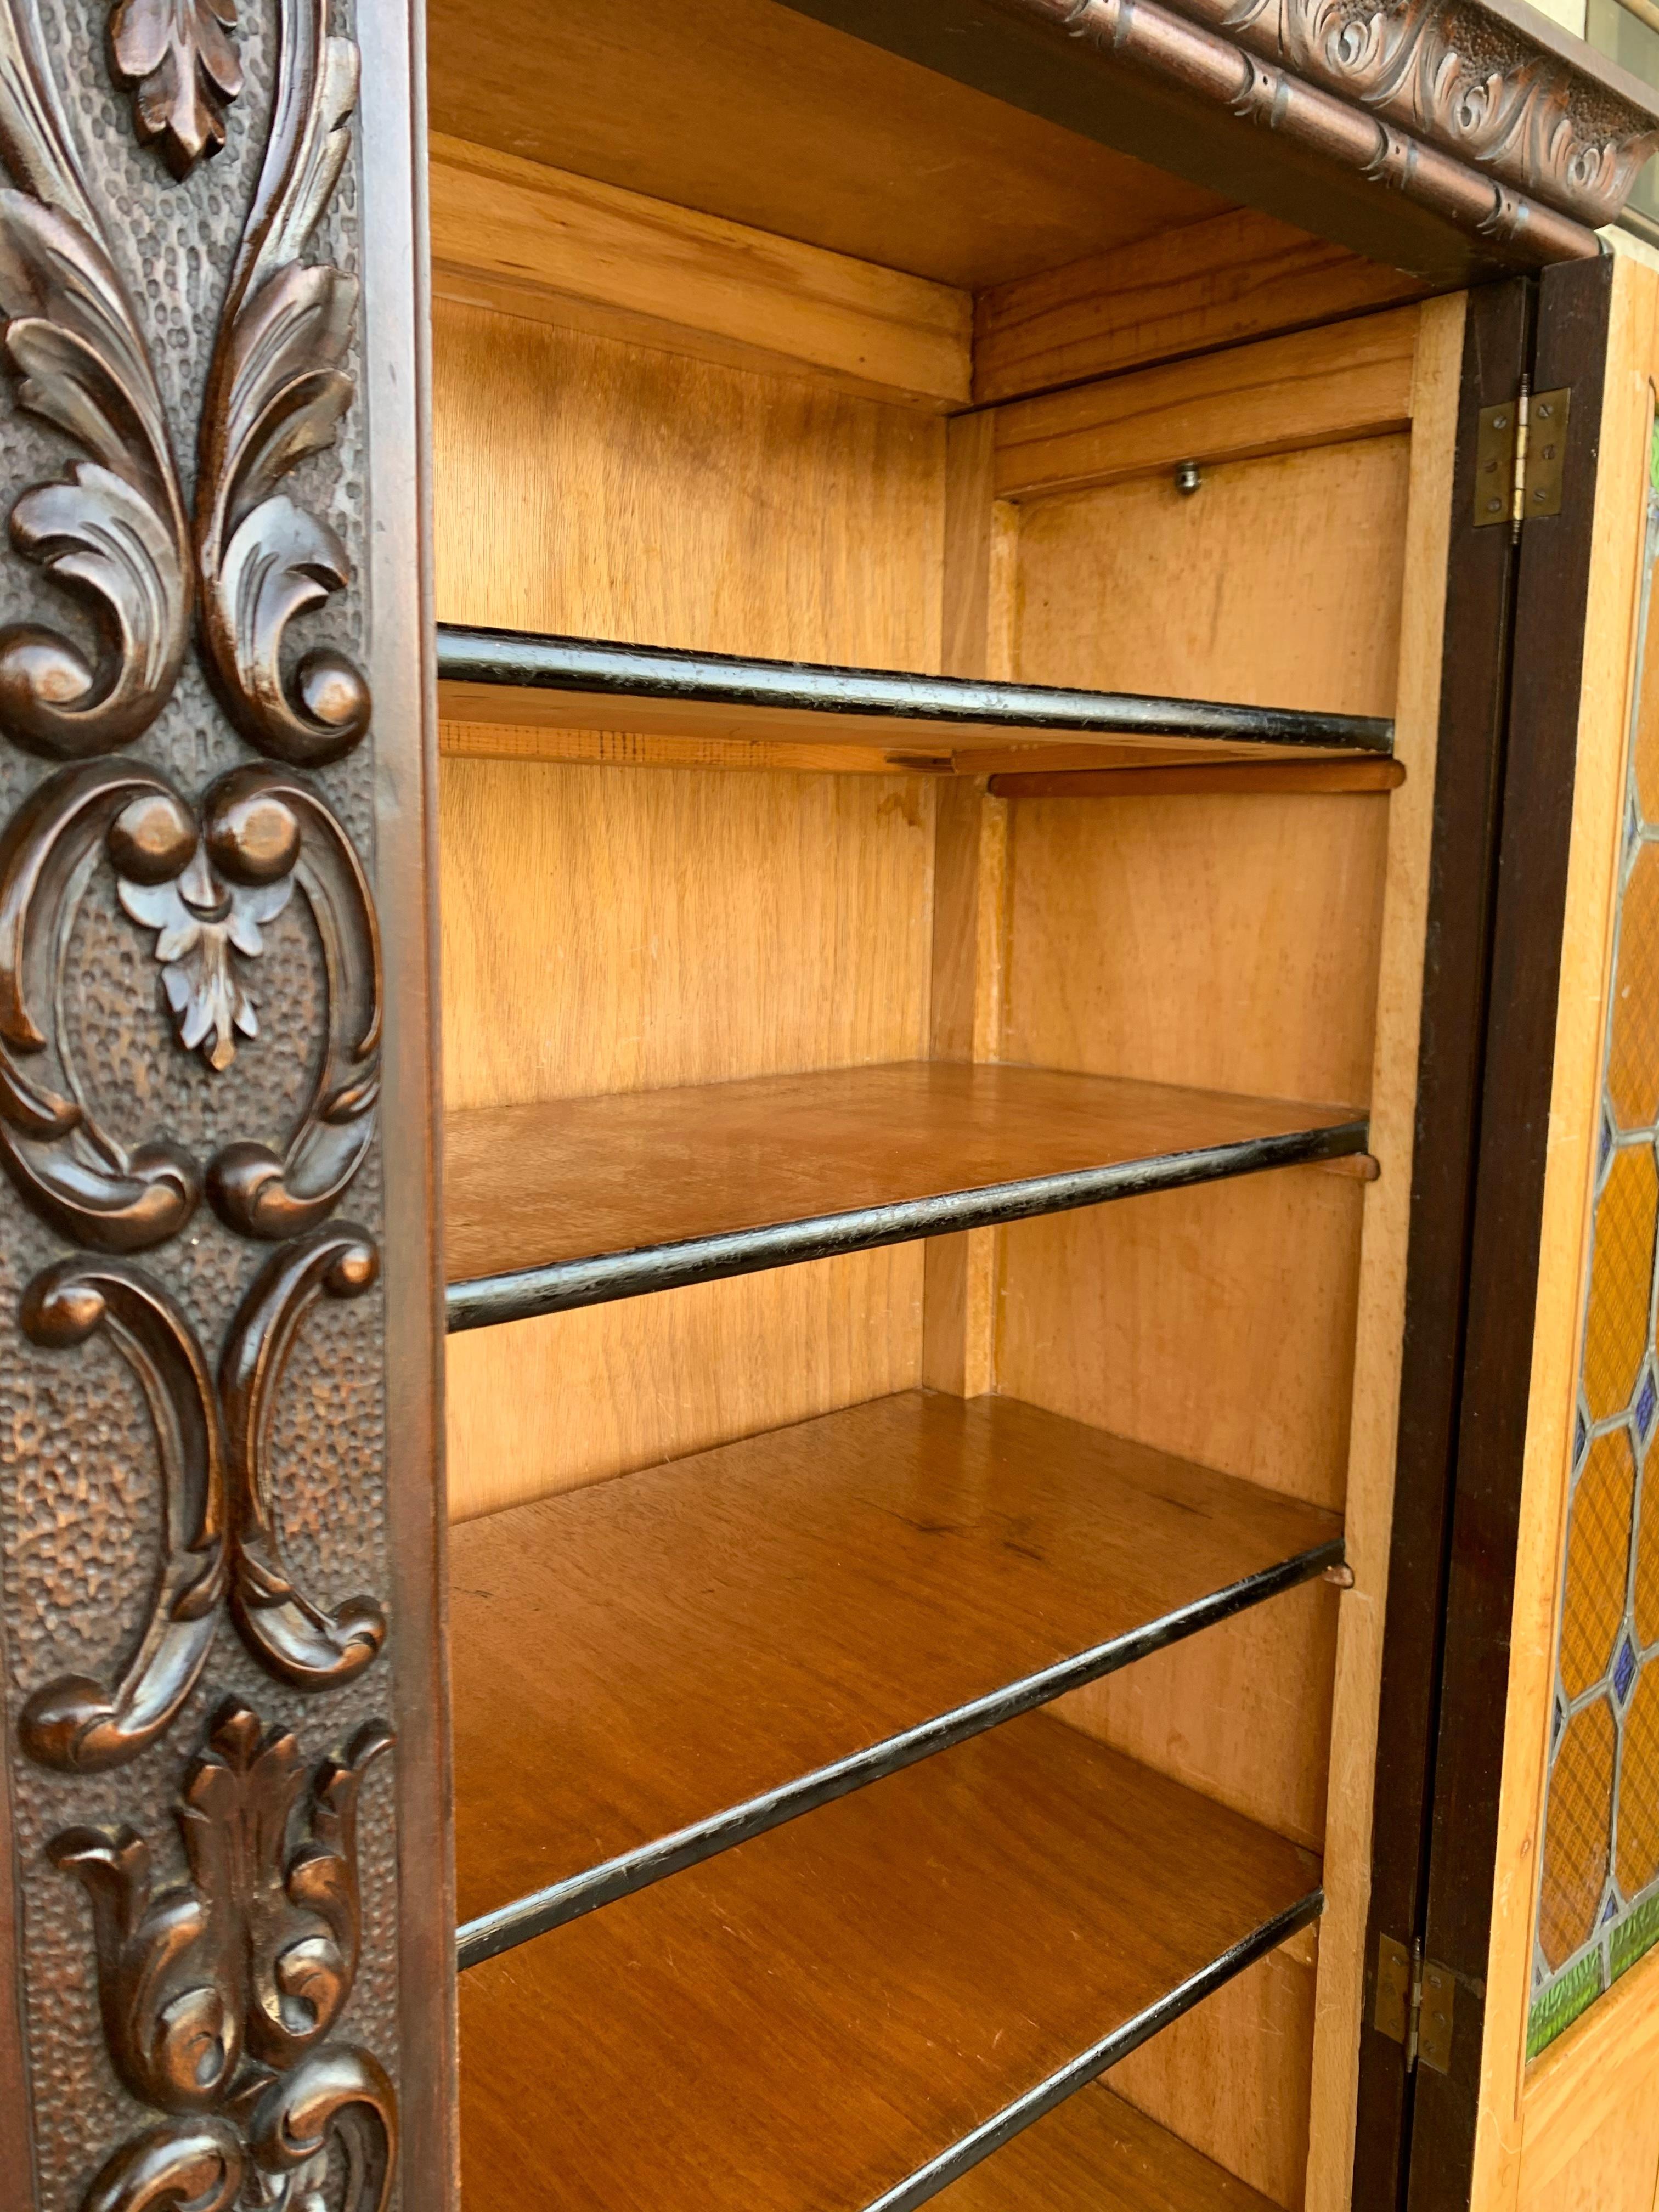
602,489
1238,276
1379,1319
1220,945
1103,1314
1269,908
1283,395
1234,1686
1216,2079
1276,583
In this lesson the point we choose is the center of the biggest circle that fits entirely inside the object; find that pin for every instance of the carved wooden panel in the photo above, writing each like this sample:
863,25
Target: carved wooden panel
217,1572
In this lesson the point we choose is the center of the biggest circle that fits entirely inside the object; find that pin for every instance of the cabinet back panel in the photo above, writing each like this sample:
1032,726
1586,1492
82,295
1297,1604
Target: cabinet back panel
1233,941
548,1404
1277,583
611,929
599,488
1228,943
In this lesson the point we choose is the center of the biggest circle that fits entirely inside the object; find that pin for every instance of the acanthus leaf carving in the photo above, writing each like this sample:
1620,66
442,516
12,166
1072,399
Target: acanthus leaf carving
179,58
218,1996
276,392
113,530
76,1722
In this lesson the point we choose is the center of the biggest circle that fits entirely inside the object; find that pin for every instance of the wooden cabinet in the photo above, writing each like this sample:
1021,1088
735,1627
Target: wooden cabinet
980,1005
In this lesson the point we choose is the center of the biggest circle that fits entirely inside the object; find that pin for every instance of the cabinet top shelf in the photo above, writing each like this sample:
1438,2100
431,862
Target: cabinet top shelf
513,675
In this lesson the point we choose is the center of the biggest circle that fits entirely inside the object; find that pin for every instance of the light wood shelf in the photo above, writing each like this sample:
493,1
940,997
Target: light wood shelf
571,1202
586,684
708,1648
850,2010
1096,2153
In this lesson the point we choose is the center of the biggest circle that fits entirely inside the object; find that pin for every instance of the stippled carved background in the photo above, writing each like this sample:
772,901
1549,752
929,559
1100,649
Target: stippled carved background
80,1501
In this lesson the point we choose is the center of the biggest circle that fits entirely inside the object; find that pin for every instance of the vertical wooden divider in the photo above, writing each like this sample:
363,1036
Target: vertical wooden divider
970,883
1375,1407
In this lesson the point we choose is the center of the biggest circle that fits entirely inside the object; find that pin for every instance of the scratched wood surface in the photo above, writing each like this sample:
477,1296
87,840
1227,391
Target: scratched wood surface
808,1594
808,2019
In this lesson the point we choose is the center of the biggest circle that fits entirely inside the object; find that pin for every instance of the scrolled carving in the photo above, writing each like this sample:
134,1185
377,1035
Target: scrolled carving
76,1722
191,2166
218,1996
219,1538
113,530
72,1171
294,1638
179,58
1461,78
255,1189
341,2093
276,392
205,888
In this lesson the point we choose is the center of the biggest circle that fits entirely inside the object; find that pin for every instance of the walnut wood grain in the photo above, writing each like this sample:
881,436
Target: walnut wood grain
810,2019
1097,2153
566,1179
680,1641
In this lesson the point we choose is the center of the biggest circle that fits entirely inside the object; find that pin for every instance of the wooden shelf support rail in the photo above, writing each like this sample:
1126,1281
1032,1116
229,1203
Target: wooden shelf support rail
602,675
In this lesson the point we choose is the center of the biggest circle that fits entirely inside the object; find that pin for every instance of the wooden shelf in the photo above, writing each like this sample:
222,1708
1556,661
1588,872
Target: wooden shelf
1097,2153
700,1651
852,2008
571,1202
568,683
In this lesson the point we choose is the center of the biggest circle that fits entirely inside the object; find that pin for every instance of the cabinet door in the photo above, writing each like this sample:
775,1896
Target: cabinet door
226,1930
1480,1262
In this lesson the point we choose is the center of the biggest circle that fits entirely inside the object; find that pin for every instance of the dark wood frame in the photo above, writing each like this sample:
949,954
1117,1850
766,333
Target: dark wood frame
1514,653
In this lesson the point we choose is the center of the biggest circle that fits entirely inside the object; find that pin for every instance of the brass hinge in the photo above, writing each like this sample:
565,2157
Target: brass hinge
1519,459
1414,2000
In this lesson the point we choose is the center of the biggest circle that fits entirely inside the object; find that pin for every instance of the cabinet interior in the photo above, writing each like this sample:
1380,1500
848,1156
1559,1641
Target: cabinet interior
933,1696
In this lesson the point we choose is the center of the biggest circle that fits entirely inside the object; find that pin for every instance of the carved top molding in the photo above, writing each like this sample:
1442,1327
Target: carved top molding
1469,79
1481,112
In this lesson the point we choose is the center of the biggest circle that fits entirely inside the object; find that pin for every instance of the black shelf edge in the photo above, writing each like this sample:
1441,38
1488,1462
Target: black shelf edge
489,1301
543,1910
523,661
950,2166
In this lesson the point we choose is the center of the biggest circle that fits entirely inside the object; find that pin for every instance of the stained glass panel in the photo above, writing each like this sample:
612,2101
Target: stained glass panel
1598,1903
